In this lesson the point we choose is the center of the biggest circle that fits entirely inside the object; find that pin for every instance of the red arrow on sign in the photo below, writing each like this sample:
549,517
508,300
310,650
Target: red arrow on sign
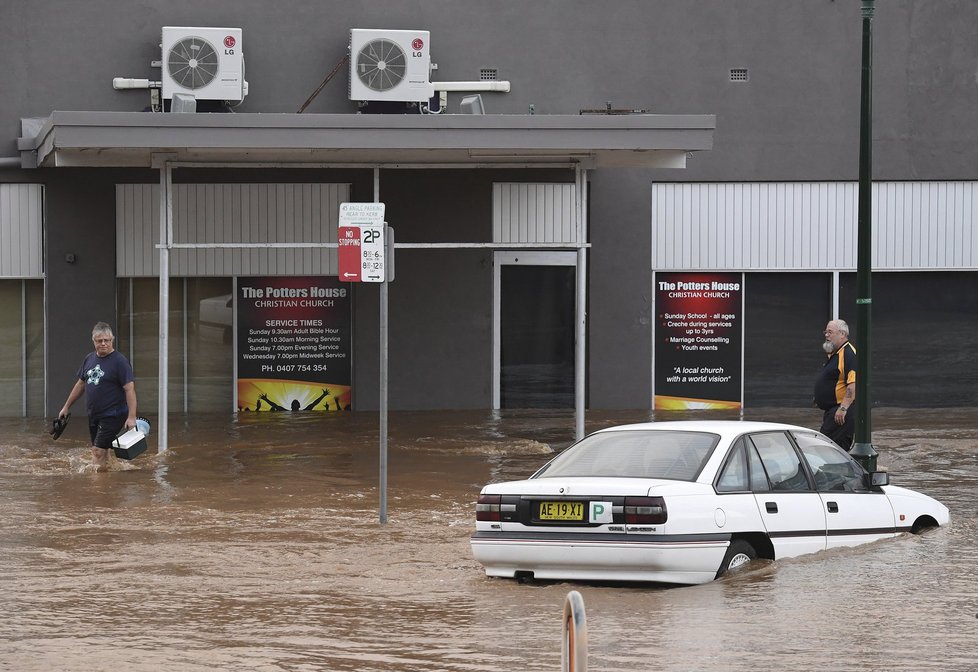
348,253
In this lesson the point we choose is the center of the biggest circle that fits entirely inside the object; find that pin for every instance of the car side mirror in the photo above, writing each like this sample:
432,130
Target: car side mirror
875,479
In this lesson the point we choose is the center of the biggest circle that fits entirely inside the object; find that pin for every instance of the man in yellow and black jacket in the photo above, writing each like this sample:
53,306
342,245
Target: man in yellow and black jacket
835,387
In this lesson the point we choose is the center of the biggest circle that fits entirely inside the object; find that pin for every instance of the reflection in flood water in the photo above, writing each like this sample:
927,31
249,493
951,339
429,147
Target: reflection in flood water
254,544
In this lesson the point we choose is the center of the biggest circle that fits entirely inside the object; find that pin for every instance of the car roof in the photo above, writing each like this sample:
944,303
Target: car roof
725,428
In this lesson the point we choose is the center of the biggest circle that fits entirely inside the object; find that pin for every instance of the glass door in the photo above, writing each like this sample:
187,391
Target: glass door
533,329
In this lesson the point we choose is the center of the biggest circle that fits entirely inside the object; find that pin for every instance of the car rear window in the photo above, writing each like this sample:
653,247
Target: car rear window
671,455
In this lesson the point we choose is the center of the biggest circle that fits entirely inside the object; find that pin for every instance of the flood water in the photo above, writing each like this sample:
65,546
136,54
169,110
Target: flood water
255,544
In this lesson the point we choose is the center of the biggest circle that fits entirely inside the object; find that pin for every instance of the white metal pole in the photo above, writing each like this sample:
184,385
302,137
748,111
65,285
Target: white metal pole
580,305
835,295
573,646
23,348
131,295
383,375
166,235
186,339
234,344
496,335
743,337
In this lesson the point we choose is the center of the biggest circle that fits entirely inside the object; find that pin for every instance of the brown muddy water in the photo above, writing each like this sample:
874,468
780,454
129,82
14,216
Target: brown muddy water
255,544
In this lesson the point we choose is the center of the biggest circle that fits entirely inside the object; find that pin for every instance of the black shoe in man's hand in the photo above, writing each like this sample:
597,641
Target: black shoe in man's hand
59,425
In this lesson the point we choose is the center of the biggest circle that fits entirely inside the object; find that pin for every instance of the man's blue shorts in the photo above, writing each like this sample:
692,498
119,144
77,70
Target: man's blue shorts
105,430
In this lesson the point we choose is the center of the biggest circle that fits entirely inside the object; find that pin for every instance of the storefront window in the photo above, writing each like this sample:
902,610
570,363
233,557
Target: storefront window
922,339
210,345
22,348
784,317
923,327
201,365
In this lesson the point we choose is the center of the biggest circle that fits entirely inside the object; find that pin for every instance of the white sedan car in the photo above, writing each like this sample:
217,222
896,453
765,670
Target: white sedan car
685,502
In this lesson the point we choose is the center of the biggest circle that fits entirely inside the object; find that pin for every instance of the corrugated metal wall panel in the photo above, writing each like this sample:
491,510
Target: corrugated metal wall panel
525,212
137,229
230,213
21,231
927,224
812,226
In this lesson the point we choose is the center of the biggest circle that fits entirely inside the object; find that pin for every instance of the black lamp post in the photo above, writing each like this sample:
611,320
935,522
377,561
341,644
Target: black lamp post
862,449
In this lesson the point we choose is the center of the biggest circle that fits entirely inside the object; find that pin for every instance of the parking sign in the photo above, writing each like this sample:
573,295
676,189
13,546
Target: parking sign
360,242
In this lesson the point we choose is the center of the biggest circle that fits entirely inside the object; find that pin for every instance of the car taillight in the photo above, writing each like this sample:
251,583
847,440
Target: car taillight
645,510
487,508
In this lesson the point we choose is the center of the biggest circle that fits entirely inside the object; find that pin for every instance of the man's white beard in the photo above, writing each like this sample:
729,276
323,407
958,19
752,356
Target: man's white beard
828,347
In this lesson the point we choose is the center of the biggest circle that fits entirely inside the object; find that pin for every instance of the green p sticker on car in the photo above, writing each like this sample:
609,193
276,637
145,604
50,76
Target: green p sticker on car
600,512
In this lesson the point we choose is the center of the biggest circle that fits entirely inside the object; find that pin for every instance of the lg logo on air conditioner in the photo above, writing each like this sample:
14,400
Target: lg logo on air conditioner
417,45
229,43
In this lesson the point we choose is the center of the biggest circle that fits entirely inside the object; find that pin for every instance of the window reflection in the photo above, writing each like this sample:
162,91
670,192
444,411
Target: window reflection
834,470
201,355
22,348
780,461
734,476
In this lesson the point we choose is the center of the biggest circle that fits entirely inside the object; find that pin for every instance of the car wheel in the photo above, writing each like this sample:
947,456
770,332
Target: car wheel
923,523
739,554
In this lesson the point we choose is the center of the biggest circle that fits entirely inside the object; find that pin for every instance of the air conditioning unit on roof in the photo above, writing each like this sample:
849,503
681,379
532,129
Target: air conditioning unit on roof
207,63
390,65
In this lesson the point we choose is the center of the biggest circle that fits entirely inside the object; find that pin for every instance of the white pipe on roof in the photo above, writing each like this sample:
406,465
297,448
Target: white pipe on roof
120,83
482,85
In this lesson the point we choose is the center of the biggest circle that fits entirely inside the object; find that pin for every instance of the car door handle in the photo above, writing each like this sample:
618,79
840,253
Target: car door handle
772,507
832,506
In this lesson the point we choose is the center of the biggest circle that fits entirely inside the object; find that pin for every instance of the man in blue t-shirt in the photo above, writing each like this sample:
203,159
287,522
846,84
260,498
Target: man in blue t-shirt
106,380
835,386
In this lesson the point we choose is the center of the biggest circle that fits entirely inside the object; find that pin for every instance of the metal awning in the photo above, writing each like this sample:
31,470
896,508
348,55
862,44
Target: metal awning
131,139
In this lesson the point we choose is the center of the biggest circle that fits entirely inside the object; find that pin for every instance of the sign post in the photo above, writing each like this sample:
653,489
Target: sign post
363,256
862,447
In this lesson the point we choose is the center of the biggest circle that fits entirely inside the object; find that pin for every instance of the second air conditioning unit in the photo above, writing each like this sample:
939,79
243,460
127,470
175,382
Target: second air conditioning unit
390,65
207,63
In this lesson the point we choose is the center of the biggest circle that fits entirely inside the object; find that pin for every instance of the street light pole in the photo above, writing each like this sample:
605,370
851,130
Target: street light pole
862,449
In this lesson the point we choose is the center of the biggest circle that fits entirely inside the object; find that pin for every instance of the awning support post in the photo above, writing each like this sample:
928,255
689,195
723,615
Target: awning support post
580,318
166,239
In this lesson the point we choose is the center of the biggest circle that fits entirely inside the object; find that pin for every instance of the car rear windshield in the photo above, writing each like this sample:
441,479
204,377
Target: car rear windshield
677,456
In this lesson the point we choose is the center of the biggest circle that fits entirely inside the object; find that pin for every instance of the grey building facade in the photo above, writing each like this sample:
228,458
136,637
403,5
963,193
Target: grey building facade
750,93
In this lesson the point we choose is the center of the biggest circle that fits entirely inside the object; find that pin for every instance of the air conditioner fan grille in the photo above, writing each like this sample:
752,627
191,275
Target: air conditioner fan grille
192,63
381,65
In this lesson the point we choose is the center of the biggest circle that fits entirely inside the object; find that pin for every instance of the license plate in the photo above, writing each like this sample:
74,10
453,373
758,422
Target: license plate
561,511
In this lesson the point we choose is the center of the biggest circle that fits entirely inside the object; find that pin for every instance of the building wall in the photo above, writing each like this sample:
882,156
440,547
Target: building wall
21,230
799,226
253,214
795,118
80,221
620,311
440,302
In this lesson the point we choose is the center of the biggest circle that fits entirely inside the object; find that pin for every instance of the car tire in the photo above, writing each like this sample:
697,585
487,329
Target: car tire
739,554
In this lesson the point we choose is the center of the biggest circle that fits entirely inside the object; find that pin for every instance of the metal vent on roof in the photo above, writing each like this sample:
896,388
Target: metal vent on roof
739,75
488,74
